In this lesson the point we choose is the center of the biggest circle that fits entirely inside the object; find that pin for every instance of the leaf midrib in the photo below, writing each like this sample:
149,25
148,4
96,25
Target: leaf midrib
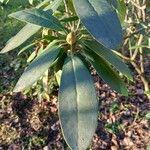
76,91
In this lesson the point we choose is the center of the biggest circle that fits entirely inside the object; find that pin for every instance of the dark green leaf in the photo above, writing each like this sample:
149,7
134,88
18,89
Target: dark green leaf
78,105
23,35
107,73
26,32
58,67
110,57
100,20
37,68
38,17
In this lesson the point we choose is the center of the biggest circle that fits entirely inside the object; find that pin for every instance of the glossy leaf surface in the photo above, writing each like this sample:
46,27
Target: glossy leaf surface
78,105
101,20
38,17
37,68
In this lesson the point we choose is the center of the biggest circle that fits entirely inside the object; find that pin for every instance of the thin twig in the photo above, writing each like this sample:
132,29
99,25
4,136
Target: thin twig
137,49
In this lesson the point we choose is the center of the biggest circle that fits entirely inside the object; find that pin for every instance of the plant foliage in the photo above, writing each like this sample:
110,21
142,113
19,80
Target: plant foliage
69,46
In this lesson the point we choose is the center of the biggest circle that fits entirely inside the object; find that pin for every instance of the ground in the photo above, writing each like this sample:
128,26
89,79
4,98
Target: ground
29,123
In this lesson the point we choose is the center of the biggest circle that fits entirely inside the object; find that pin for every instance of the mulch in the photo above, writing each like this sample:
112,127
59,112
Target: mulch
122,124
